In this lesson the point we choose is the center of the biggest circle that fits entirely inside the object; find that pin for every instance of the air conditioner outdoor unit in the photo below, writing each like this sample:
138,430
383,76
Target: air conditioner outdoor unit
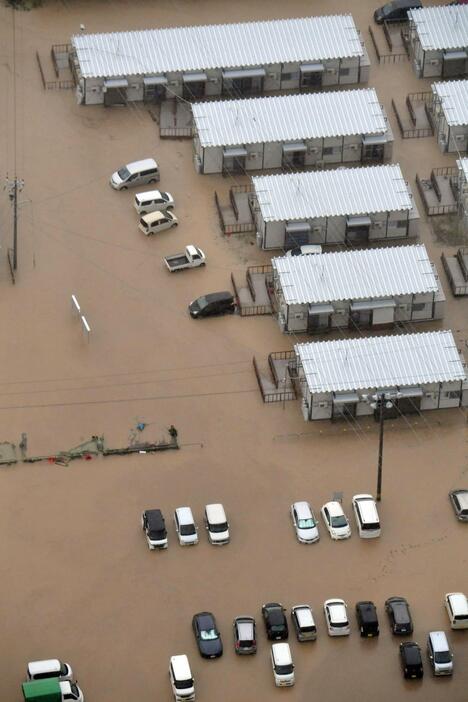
378,224
213,80
353,147
403,307
253,155
272,75
434,62
460,137
331,70
173,82
313,149
317,229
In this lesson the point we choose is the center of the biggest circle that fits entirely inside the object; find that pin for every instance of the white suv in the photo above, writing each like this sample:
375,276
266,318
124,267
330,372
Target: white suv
456,604
336,520
187,530
367,517
336,616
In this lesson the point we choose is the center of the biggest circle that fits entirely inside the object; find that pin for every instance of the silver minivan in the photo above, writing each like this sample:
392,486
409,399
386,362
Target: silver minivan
439,653
136,173
216,524
153,201
367,517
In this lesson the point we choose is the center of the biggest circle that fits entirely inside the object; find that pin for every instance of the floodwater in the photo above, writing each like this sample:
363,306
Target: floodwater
77,579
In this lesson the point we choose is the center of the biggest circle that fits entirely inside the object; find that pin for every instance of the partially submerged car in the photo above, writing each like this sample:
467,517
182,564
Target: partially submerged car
207,635
154,526
212,304
245,638
276,624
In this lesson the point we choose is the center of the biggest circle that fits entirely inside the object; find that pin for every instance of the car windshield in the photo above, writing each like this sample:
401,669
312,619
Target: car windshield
443,657
277,627
208,635
184,684
157,533
218,528
339,521
165,197
187,529
388,7
202,301
75,691
123,173
63,669
306,523
284,669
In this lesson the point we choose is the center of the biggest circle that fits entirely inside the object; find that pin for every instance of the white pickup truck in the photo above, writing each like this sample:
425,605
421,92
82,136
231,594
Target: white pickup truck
191,258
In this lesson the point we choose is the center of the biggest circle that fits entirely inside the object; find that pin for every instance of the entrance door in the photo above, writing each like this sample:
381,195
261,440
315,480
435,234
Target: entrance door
311,80
346,410
234,164
194,90
154,93
361,319
115,96
357,235
293,159
453,67
242,87
409,405
293,239
318,322
373,152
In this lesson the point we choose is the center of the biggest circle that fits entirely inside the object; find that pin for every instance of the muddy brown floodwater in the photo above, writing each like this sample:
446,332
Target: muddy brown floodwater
77,579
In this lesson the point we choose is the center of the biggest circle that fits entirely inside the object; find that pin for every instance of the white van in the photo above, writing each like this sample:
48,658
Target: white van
216,524
283,667
136,173
457,609
439,653
367,517
156,222
152,201
52,668
182,683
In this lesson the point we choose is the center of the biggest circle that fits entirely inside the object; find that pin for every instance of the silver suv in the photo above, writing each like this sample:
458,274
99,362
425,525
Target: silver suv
459,500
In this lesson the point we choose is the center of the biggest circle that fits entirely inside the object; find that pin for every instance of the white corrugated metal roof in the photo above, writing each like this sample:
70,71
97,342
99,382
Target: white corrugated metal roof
289,117
380,362
217,46
342,191
444,27
463,165
355,275
454,97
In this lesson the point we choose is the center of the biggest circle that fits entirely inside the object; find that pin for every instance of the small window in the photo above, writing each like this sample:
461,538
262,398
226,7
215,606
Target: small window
290,76
327,150
399,223
419,306
345,71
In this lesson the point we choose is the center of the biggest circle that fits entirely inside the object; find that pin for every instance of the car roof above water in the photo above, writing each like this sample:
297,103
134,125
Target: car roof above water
144,165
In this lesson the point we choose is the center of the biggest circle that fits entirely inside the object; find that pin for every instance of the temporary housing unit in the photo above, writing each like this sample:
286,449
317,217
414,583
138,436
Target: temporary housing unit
438,40
290,131
356,289
416,371
347,205
227,59
449,111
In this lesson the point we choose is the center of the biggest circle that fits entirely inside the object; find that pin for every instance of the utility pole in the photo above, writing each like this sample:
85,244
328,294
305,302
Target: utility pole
14,187
381,404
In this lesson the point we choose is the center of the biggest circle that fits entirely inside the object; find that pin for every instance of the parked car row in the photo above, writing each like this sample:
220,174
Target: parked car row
336,617
335,520
214,519
208,638
50,681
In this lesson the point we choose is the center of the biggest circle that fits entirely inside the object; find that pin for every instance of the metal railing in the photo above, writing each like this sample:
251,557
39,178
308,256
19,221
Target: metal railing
391,57
456,289
175,132
53,84
433,210
412,132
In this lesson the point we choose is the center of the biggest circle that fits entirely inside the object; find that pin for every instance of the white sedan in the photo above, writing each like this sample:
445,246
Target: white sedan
336,616
304,523
335,520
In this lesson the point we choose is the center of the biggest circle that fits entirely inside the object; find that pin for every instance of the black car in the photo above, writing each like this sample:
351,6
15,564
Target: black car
154,526
275,621
411,660
399,614
207,635
212,304
368,622
244,635
396,10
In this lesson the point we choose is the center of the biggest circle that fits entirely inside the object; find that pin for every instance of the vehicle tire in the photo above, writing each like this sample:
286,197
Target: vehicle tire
175,224
362,631
124,187
143,213
153,180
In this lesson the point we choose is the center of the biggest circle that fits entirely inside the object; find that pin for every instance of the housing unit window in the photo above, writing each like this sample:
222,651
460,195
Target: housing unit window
453,394
419,306
399,223
327,150
345,71
290,76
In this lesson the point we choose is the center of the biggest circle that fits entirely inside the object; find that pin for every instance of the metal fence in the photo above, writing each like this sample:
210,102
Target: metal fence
174,132
440,209
411,132
53,84
272,395
387,57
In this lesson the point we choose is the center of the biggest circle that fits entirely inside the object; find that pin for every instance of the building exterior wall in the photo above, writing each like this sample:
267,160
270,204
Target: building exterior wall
435,396
278,78
332,230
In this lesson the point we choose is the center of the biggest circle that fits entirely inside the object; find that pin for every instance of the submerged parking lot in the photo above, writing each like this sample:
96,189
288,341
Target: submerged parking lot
78,581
